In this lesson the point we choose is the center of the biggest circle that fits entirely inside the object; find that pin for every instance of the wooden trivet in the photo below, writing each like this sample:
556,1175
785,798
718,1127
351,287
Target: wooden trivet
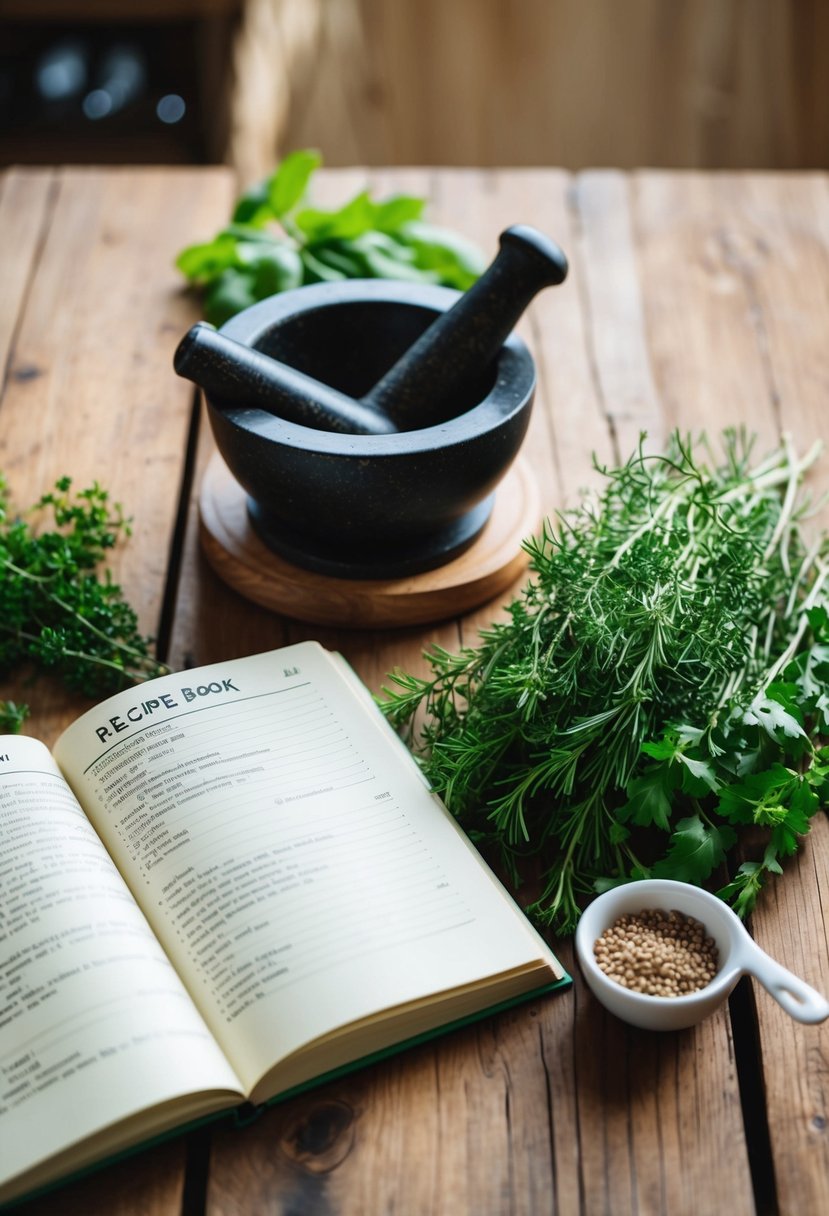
487,568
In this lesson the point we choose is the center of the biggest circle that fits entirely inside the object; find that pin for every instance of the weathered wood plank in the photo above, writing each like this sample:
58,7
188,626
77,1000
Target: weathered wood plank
792,921
91,392
461,1125
699,250
154,1187
25,201
734,272
617,340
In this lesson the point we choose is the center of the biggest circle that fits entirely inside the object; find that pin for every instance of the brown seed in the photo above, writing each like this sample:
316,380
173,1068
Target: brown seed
657,952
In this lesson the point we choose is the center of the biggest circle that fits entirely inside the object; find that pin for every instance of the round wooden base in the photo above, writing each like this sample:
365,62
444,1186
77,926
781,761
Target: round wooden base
487,568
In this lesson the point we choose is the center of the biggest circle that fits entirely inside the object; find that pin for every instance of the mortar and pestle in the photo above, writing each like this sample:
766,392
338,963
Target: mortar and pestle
370,421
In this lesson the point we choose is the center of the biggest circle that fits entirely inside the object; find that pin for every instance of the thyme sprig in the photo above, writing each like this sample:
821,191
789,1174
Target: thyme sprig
659,687
60,611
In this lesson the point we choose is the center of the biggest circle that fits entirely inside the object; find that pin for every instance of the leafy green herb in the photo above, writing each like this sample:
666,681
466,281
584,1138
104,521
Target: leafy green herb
56,612
276,242
659,691
12,717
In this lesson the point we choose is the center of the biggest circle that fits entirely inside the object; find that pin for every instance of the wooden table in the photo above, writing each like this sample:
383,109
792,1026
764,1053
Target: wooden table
695,301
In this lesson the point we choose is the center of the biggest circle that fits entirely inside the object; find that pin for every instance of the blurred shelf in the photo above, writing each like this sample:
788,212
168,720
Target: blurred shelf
116,81
116,10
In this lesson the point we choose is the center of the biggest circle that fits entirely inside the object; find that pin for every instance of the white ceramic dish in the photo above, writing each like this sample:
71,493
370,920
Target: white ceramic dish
738,955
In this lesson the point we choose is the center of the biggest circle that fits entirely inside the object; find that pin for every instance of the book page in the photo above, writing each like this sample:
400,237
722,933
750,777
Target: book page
94,1023
287,851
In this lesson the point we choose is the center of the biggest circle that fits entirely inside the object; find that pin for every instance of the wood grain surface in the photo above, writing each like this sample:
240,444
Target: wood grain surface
695,301
663,83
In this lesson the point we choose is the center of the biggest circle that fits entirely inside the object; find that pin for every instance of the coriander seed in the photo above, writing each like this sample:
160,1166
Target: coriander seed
658,953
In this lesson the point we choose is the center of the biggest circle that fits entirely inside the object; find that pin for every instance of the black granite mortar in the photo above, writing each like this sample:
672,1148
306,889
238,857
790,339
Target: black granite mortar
370,506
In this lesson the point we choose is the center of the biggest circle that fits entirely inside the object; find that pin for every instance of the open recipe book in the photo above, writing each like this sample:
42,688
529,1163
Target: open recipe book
220,886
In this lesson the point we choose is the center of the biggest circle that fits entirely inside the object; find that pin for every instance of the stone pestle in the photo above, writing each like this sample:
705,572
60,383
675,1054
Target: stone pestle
236,373
422,388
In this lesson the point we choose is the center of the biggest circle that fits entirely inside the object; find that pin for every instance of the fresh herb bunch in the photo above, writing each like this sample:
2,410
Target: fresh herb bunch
12,717
276,242
659,689
56,612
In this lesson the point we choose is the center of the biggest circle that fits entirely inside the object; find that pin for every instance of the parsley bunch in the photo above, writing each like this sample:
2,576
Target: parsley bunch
57,613
658,691
275,242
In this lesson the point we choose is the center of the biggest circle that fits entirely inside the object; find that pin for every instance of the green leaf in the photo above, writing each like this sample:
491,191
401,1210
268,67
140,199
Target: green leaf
600,885
355,218
817,774
288,184
249,232
744,888
456,260
386,258
776,713
342,256
618,833
649,799
397,210
361,239
818,619
199,263
12,717
698,777
794,823
229,294
666,749
696,848
254,206
315,270
274,267
57,611
778,798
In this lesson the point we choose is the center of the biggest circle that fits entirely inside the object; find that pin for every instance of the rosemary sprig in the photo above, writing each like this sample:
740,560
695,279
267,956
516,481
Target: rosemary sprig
659,686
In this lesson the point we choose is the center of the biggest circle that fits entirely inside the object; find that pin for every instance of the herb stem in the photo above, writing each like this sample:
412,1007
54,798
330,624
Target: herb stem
633,687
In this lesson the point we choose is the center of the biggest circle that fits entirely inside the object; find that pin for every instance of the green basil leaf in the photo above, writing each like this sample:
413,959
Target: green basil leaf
316,271
382,242
342,256
200,263
254,206
276,269
230,293
397,210
355,218
288,184
381,266
249,232
458,261
386,258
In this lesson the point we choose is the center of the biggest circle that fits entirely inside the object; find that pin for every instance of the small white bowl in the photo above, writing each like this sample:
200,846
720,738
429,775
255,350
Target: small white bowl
738,955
